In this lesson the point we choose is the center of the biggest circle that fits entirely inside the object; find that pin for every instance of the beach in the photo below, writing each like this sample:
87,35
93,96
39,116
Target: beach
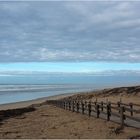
55,123
48,121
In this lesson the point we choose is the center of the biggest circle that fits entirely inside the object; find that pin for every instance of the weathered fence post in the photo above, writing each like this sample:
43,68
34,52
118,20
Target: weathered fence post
131,107
95,105
82,107
97,110
73,103
122,116
119,105
108,107
64,104
89,109
69,105
102,105
77,107
85,105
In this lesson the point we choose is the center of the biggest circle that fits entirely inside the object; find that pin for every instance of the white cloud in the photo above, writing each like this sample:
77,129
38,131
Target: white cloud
69,31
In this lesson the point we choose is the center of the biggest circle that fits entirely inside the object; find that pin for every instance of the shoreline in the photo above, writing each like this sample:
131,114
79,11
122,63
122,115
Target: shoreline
102,94
22,104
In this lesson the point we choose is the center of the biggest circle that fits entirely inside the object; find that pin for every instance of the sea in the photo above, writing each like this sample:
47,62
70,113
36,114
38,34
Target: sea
16,88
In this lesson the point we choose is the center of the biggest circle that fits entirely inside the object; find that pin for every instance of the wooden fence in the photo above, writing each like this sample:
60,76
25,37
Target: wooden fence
109,109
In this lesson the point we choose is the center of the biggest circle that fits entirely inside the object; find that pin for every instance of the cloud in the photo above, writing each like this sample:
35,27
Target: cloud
69,31
81,73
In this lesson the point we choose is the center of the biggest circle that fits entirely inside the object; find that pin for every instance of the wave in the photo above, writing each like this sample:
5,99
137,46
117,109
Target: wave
37,88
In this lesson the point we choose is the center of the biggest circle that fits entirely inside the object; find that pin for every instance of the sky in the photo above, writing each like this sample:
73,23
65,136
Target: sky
70,36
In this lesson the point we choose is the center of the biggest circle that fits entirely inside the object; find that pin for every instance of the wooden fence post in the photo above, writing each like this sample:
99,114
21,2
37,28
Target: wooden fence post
122,116
102,105
108,107
119,105
82,107
89,109
97,110
77,107
61,104
73,103
69,105
85,105
131,107
95,105
64,104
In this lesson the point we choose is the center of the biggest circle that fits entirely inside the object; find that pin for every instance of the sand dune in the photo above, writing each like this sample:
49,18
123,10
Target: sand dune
126,94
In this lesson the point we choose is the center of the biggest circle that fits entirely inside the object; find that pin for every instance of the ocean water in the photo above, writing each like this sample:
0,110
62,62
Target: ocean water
15,88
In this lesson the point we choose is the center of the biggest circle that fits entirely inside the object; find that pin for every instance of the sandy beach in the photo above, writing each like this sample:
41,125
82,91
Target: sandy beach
46,121
55,123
